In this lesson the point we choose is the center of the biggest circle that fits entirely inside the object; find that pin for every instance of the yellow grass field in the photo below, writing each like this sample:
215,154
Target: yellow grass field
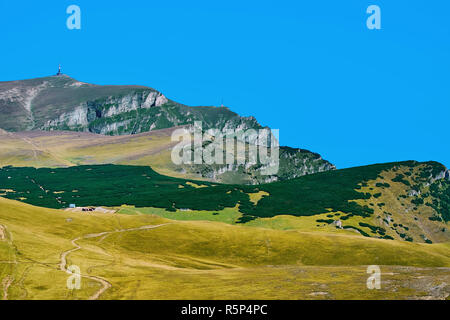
65,148
146,256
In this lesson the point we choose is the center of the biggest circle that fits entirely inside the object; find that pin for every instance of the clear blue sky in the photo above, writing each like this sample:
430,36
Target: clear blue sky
309,68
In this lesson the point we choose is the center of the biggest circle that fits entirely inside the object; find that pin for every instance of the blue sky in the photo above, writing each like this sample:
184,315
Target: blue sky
309,68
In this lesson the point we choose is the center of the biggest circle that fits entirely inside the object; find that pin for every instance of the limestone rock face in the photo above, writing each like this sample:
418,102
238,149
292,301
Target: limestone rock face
108,112
445,174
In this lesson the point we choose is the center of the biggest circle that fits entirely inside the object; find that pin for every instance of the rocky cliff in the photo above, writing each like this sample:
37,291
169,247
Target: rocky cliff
63,103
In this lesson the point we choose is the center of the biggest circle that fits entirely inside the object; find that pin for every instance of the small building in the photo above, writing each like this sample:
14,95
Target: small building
72,206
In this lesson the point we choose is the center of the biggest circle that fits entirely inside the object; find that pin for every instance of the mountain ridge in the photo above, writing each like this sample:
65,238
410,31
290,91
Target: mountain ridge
61,103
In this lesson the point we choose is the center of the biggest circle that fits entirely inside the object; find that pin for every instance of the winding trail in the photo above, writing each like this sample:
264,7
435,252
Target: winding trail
2,233
7,281
34,147
105,284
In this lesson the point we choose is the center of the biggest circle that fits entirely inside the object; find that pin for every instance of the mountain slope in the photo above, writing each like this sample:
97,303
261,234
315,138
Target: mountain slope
61,149
63,103
372,200
136,255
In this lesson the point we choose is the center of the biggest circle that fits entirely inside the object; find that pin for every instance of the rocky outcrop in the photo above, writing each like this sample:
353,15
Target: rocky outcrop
108,110
445,174
293,163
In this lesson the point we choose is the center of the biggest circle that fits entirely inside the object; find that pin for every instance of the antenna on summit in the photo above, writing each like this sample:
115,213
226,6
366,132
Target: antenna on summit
59,70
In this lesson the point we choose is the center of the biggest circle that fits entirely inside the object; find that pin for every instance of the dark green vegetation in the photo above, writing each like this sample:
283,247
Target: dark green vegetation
438,190
112,185
385,185
441,199
399,178
107,185
374,229
365,234
327,221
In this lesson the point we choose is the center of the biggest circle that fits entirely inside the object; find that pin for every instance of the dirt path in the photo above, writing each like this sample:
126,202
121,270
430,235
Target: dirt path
34,148
2,233
41,149
7,281
105,284
46,191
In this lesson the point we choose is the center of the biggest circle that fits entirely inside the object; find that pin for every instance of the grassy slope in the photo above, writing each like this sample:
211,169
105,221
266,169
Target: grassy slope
64,148
396,212
369,200
203,260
